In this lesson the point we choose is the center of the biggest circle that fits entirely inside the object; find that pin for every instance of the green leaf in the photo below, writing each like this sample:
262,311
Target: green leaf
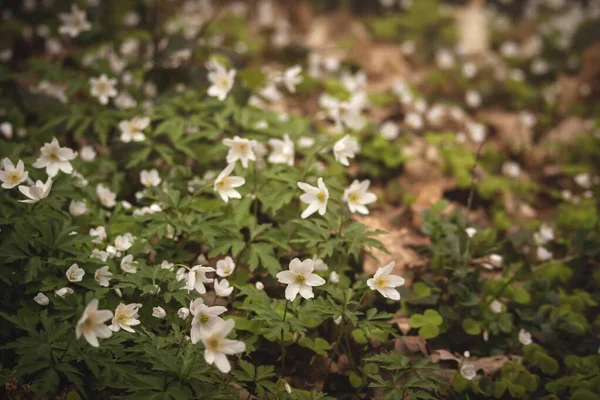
521,296
429,331
471,326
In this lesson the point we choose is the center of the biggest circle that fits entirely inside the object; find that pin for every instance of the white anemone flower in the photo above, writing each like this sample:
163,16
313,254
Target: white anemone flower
12,175
385,283
357,196
283,151
196,278
315,197
103,88
240,149
132,130
103,276
73,23
74,273
204,318
125,317
345,148
300,279
55,158
225,267
225,184
221,80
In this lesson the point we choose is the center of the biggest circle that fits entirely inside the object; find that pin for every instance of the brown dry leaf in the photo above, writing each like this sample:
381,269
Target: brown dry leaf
489,365
408,345
402,321
341,365
568,90
590,65
566,131
394,240
429,194
514,135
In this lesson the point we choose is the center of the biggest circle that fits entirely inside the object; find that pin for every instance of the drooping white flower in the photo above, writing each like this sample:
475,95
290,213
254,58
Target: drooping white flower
222,288
225,184
91,324
240,149
204,318
159,312
315,197
385,283
106,196
103,276
468,371
167,265
62,292
300,279
99,234
124,242
334,277
259,285
125,317
225,267
496,306
128,265
217,346
196,278
221,80
132,130
103,88
471,232
283,151
12,176
99,254
183,312
37,191
543,254
74,273
525,337
74,23
292,78
77,208
55,158
345,148
358,197
41,299
150,178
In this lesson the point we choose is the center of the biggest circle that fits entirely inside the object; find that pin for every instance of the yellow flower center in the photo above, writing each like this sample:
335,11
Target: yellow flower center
353,197
88,323
203,318
14,177
321,196
223,183
223,82
53,156
102,87
213,344
243,147
381,282
300,278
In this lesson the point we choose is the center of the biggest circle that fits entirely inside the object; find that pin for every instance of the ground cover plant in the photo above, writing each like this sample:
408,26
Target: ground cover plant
300,200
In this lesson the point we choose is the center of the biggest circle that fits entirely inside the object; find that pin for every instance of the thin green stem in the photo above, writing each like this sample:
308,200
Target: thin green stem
283,349
337,345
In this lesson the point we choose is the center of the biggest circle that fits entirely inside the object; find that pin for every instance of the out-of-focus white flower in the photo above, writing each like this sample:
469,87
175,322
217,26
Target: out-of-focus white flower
12,176
473,99
73,23
41,299
240,149
103,88
259,285
511,169
77,208
319,264
544,235
225,184
334,277
55,158
87,154
150,178
125,317
315,197
584,180
99,234
357,196
305,142
132,130
91,324
471,232
345,148
283,151
543,254
183,312
300,279
444,59
389,130
217,346
414,120
221,80
103,276
106,196
525,337
385,283
37,191
292,78
225,267
7,130
496,306
128,265
124,242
